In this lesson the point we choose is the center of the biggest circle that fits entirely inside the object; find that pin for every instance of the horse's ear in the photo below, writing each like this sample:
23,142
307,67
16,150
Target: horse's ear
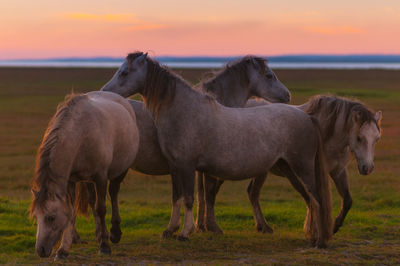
378,117
35,193
254,62
141,58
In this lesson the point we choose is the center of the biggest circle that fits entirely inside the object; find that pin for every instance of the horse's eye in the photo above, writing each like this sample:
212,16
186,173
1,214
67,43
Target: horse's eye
124,73
50,218
269,76
358,139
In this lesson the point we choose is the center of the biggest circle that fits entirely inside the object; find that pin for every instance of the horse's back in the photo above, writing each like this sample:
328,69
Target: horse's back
108,133
256,136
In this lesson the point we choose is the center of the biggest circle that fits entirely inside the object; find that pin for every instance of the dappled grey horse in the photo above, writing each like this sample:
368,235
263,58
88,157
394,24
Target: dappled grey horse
347,127
92,137
195,132
240,80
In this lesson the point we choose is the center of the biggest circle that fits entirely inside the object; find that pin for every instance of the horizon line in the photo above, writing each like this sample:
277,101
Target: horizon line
205,56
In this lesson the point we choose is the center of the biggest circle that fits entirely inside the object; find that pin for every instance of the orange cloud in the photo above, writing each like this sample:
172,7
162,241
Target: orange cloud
133,23
102,17
334,30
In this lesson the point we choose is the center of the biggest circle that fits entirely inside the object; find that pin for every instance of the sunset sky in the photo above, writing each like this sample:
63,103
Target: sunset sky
85,28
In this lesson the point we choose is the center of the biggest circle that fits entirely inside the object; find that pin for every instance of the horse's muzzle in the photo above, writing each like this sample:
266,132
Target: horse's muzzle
43,252
365,169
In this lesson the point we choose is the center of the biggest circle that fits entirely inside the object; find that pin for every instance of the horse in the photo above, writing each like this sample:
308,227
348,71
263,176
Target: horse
92,137
228,88
246,77
347,126
195,132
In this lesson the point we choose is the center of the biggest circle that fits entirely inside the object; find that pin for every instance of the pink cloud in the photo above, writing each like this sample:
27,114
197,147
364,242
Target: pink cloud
334,30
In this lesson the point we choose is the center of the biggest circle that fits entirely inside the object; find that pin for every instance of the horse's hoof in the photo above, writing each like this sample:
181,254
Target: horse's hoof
265,229
214,228
200,228
115,235
336,227
182,238
61,255
79,241
167,234
105,249
321,245
313,242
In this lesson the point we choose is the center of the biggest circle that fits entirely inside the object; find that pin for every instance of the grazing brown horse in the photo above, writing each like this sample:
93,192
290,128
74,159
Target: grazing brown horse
92,137
195,132
348,127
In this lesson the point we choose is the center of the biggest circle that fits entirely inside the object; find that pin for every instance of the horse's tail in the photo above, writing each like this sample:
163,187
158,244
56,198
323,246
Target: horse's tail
323,186
81,204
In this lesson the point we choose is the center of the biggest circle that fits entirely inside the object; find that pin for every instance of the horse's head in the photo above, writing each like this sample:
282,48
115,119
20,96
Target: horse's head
52,214
130,77
265,84
362,141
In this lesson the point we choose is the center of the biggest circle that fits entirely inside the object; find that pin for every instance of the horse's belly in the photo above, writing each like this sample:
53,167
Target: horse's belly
236,168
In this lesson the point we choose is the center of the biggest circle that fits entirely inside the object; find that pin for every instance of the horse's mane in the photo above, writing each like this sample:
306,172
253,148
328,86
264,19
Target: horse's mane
44,179
332,107
237,71
160,85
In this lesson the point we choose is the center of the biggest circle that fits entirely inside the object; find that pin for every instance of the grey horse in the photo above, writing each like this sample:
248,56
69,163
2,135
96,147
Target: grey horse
195,132
348,127
236,83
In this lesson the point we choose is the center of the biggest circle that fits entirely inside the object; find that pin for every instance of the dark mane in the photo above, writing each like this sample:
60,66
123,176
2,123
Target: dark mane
44,179
160,85
331,107
237,71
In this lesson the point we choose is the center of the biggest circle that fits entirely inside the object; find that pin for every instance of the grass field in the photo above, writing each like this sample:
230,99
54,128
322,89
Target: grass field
370,235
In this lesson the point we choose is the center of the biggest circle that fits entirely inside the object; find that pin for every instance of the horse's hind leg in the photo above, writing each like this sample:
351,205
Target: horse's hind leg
253,191
113,190
342,186
99,215
201,205
211,186
201,198
310,226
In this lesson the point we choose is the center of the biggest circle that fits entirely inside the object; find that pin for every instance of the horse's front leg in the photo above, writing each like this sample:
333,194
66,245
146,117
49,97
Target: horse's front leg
342,186
68,234
177,196
113,190
211,186
253,191
99,216
187,176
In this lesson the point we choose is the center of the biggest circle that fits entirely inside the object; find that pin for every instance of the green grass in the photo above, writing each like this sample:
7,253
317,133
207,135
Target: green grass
370,235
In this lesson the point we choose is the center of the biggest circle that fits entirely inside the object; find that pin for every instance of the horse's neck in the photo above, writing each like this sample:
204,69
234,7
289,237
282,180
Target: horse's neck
339,140
230,93
186,102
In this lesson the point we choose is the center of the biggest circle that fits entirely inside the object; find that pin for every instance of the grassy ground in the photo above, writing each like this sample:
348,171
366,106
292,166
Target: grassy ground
370,235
